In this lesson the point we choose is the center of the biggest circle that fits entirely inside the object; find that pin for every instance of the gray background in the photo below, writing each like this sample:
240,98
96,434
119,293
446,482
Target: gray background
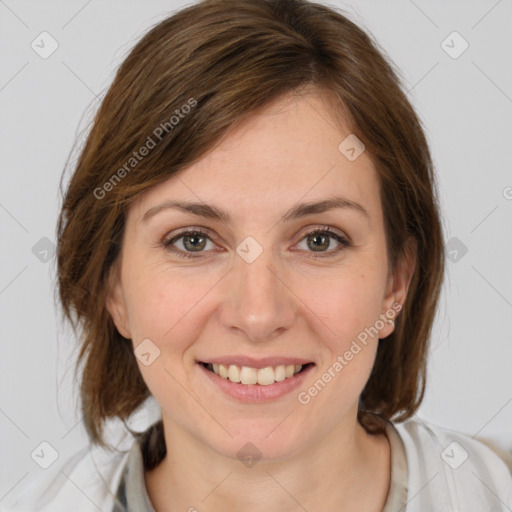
465,103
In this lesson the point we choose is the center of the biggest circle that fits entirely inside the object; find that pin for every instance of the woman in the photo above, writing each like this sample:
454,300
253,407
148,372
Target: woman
252,236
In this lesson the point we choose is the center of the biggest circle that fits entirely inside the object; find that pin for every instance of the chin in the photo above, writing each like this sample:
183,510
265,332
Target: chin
259,442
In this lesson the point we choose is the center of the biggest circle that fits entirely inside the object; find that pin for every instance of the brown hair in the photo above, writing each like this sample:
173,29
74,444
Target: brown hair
225,59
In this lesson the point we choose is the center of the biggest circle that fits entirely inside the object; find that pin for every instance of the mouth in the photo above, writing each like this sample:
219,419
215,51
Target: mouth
250,376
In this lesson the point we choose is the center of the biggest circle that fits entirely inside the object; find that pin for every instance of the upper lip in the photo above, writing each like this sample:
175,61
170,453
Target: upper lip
255,363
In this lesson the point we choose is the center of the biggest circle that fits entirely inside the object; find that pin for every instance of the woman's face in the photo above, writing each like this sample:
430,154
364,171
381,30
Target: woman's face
260,290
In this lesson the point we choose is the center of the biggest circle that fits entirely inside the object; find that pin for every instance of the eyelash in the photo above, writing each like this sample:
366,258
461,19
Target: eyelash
326,230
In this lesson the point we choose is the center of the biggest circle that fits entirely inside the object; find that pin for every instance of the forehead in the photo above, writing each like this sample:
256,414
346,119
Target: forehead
286,153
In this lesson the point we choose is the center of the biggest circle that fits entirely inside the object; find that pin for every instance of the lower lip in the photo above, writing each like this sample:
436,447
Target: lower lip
256,393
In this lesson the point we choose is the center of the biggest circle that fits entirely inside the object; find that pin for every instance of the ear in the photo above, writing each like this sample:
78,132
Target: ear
115,301
398,285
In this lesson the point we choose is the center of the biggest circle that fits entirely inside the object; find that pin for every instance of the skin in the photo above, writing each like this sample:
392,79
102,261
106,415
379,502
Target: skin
283,303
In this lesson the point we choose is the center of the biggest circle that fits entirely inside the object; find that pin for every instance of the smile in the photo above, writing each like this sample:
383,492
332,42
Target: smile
250,384
247,375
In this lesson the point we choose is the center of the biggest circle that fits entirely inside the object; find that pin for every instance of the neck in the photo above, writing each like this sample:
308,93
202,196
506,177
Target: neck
347,470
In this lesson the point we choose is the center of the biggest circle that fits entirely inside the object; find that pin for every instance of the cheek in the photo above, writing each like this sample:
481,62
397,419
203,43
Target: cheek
167,310
349,309
165,307
347,305
349,313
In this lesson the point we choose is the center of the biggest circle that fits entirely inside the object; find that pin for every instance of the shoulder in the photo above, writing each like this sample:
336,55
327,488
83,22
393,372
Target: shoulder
452,471
87,480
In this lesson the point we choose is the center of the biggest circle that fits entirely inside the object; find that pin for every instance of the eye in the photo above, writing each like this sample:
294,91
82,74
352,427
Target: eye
194,240
319,240
191,240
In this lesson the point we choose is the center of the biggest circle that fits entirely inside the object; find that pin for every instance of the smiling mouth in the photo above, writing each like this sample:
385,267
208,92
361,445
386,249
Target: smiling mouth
263,376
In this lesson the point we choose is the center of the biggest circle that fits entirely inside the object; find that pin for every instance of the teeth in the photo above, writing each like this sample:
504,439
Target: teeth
262,376
280,373
247,375
223,371
234,373
289,371
266,376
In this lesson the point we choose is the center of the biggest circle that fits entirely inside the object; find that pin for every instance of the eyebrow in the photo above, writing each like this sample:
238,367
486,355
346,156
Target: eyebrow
296,212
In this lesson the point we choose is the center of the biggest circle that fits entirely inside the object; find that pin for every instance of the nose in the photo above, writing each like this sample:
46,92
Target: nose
257,301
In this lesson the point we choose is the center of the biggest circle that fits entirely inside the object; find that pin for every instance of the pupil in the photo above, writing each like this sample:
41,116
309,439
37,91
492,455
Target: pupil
324,245
194,240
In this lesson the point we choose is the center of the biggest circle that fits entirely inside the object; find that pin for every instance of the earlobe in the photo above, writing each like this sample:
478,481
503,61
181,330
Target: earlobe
115,302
